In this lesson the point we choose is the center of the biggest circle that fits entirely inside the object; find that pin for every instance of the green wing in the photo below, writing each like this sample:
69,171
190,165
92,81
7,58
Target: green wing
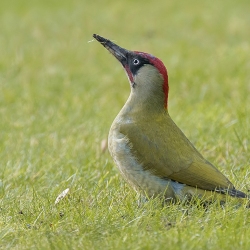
166,152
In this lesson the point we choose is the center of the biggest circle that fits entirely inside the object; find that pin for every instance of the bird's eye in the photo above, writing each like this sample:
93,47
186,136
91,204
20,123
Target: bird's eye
136,61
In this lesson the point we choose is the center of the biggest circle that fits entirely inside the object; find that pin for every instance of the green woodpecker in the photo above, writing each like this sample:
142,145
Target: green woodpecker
151,152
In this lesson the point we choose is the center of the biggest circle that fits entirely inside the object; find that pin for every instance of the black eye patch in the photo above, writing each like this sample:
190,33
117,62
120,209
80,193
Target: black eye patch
136,62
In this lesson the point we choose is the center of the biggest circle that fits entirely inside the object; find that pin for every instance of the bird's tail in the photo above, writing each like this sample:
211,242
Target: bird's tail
189,193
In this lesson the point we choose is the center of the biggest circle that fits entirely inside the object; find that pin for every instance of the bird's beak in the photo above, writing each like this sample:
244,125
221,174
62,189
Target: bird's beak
119,53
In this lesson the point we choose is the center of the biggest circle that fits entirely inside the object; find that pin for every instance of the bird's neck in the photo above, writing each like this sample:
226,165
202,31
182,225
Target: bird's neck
134,110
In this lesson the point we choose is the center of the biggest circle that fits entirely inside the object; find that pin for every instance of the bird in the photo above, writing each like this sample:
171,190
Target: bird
149,149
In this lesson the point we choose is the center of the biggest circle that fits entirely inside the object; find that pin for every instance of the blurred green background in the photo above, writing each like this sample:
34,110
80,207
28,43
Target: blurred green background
60,91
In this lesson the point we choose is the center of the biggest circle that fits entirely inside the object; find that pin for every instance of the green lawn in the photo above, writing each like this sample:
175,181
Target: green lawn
60,91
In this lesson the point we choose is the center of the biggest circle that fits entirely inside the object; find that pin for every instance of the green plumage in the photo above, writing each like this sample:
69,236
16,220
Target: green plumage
163,149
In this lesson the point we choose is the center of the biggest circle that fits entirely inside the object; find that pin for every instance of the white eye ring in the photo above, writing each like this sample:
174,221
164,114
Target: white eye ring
136,61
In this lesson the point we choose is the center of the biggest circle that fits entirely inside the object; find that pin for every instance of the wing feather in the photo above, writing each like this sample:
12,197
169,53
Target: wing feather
166,152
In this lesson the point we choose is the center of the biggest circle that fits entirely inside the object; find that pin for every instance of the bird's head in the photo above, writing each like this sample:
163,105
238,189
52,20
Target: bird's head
147,74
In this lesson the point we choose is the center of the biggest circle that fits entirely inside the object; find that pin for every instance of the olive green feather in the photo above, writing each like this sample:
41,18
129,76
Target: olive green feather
161,147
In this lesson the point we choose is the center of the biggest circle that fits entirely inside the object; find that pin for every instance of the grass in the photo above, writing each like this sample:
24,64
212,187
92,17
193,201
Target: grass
59,94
